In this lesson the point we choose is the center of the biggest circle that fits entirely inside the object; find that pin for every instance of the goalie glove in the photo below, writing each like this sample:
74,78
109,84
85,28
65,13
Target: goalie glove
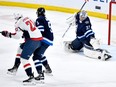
71,20
6,34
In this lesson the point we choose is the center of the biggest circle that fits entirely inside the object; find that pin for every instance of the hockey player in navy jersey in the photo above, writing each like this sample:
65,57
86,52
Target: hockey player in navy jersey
85,38
44,26
24,27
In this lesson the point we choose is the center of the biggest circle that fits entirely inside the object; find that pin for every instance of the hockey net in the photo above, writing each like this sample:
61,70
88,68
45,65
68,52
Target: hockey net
112,23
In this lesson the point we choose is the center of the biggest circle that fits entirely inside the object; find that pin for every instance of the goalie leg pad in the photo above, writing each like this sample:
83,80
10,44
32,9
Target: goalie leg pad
95,43
73,46
67,47
91,53
97,54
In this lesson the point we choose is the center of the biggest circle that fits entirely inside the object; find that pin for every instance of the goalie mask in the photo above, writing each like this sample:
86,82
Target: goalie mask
17,16
83,15
40,11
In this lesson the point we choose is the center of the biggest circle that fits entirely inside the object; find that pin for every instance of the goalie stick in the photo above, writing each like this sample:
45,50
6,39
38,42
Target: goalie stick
71,16
66,30
80,9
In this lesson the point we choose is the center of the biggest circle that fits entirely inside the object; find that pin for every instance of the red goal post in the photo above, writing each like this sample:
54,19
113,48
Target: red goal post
109,20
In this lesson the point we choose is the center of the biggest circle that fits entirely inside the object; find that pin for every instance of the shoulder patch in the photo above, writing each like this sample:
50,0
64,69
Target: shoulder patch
86,22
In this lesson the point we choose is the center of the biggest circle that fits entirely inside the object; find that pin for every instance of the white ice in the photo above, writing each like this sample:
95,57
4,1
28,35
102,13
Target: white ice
69,69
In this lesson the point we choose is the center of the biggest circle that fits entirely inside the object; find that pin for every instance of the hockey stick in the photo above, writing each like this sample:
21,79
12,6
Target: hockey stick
71,16
66,30
82,6
80,9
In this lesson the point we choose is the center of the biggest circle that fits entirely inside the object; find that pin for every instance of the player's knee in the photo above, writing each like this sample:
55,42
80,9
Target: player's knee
26,57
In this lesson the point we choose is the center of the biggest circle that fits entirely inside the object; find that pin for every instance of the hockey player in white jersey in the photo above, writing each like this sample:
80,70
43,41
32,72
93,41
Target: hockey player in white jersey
85,38
24,27
44,25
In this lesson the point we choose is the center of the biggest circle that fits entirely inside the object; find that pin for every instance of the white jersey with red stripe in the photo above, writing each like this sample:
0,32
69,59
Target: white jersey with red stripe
25,24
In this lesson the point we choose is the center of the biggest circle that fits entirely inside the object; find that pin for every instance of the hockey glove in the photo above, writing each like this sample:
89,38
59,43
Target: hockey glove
6,34
71,20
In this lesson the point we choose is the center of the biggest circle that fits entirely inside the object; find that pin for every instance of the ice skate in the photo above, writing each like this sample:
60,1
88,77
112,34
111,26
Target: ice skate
40,78
29,81
12,71
48,70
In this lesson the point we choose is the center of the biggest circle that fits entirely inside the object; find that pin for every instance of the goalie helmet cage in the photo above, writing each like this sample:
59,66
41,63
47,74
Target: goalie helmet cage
112,2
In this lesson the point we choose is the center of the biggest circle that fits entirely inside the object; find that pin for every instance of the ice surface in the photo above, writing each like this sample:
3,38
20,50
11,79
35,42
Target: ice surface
69,69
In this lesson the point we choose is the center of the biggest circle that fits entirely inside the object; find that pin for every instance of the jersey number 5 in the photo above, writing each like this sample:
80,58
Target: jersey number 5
32,26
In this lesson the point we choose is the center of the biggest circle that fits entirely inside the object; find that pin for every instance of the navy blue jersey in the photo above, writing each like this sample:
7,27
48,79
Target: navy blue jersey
84,30
44,26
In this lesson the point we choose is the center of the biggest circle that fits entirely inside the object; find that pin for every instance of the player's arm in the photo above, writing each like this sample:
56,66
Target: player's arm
72,20
39,24
18,33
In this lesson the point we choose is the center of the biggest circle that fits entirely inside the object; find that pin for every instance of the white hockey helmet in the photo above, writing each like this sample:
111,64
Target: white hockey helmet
17,16
83,14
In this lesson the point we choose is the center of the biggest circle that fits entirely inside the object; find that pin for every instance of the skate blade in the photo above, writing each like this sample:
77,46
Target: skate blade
49,74
40,82
29,83
10,73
